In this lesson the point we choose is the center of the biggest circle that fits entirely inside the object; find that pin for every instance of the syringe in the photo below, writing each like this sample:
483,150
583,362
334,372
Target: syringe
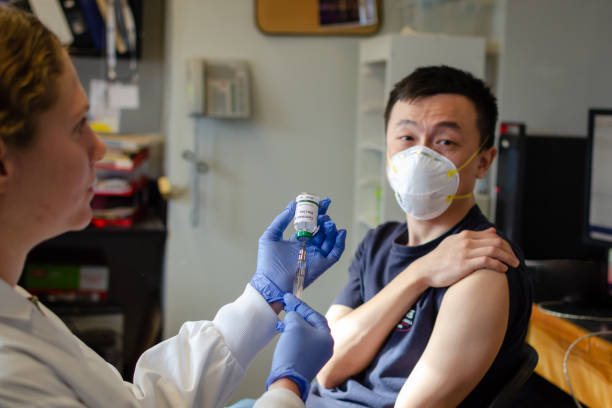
298,281
305,223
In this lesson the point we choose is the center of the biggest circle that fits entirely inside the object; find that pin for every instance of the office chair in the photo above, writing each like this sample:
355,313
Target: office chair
528,359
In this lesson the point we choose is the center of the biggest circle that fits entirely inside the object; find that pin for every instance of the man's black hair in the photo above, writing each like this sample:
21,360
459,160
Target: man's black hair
433,80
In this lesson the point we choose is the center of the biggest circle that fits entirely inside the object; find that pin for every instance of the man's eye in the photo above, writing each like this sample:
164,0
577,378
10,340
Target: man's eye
406,137
446,142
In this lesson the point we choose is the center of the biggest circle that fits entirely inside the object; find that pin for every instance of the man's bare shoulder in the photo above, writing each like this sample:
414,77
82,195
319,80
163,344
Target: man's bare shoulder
483,282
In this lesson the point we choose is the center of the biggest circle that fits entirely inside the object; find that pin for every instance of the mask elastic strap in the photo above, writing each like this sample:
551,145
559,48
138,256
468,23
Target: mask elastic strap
457,197
451,173
389,163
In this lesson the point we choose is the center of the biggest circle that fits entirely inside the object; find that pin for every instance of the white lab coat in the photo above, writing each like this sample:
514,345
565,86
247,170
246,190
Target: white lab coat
42,364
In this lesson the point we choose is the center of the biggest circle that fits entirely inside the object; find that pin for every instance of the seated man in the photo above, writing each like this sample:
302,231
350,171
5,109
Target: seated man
428,317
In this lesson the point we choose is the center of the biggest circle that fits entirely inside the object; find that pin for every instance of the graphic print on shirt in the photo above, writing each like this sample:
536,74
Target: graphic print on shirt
406,324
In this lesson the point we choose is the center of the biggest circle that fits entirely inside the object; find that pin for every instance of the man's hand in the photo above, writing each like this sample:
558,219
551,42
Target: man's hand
461,254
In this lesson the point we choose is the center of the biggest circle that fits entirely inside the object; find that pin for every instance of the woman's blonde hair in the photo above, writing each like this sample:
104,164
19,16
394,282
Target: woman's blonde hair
30,65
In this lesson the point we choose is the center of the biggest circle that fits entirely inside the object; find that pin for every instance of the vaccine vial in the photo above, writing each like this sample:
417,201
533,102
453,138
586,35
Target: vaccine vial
306,213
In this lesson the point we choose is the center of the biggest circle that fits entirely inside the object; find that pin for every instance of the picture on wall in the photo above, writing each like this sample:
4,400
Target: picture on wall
318,17
347,13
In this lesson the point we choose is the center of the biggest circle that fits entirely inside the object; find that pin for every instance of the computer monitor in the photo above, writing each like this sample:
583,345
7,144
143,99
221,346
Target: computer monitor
540,204
598,205
540,207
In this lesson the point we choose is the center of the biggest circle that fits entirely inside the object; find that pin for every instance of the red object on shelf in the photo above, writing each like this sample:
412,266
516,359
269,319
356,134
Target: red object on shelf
135,186
123,222
119,222
126,193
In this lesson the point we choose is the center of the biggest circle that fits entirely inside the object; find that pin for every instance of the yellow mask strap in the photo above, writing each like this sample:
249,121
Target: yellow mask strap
389,163
451,173
457,197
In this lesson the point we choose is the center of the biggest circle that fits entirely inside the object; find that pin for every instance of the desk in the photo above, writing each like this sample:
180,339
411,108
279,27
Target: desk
589,365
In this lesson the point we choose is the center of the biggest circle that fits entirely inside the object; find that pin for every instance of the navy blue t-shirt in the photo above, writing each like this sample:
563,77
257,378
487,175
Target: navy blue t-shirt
381,256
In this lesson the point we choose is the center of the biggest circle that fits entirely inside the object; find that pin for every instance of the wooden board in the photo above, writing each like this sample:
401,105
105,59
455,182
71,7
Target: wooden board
302,17
589,365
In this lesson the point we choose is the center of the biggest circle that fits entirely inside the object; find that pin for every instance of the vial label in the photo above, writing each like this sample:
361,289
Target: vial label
306,213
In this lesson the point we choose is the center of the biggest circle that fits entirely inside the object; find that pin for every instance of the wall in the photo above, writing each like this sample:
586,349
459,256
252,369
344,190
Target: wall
556,63
300,138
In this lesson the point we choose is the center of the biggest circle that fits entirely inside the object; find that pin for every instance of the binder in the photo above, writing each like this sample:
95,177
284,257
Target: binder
78,25
51,14
82,23
93,18
120,42
129,22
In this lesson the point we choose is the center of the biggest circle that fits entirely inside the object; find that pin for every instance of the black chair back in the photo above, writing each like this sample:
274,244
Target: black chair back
528,360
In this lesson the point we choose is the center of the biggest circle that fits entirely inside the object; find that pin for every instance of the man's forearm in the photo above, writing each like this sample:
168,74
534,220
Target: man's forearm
359,334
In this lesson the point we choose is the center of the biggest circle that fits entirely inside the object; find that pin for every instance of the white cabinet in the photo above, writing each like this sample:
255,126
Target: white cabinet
383,61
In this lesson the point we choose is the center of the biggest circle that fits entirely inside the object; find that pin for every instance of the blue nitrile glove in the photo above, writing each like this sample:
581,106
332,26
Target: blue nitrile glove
277,258
304,346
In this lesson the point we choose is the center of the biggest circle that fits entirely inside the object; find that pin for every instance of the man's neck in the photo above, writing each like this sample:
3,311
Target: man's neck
420,232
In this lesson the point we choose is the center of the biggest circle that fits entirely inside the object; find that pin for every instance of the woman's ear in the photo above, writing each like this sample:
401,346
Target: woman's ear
485,159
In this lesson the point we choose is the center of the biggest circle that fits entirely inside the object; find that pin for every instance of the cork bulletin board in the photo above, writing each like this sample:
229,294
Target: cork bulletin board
318,17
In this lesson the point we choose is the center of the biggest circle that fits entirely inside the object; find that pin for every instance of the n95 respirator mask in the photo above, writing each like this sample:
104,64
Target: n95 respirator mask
424,181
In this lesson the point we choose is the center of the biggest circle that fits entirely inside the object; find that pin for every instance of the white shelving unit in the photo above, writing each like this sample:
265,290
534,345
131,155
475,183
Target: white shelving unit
383,61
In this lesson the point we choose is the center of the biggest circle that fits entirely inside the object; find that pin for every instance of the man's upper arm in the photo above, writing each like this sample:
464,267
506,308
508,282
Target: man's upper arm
468,333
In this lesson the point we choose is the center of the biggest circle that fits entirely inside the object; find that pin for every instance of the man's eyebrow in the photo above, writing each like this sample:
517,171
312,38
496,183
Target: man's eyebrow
405,122
444,124
448,124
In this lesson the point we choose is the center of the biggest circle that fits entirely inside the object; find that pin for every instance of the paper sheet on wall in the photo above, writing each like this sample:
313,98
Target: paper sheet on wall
104,117
123,96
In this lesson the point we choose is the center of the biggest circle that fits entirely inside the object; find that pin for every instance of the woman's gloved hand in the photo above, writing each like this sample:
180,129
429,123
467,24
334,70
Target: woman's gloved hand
305,345
277,258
